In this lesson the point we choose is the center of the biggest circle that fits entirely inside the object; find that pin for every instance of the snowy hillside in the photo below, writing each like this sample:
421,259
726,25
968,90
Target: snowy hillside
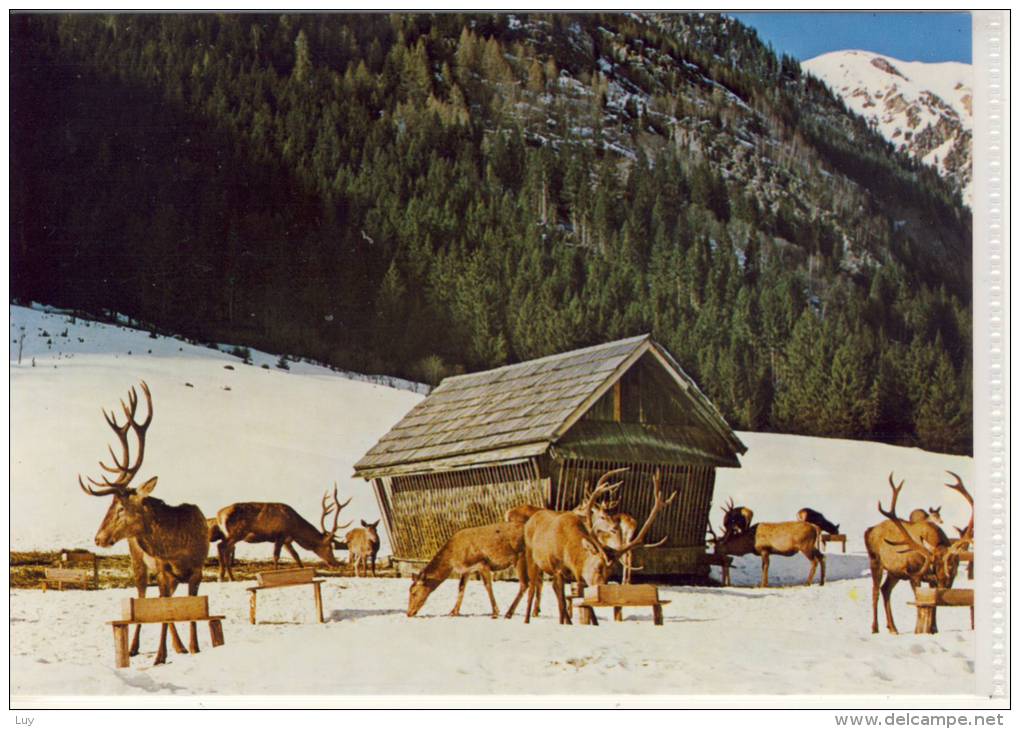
224,431
922,108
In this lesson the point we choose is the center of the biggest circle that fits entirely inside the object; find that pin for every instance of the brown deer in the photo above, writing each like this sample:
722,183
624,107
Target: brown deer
483,549
256,522
363,545
564,545
784,538
916,551
172,541
736,519
623,528
818,519
932,514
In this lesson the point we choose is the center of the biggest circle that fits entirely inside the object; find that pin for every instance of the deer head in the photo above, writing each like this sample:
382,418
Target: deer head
124,519
598,568
940,562
328,541
419,593
736,519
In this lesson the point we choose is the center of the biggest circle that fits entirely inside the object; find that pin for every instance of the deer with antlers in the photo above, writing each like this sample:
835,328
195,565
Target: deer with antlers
565,544
256,522
916,551
172,541
736,519
785,538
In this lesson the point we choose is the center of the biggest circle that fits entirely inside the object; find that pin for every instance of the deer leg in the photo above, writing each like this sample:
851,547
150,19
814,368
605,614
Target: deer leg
460,594
534,578
167,585
887,588
193,584
522,585
487,580
293,552
764,568
373,564
814,566
821,560
876,584
538,594
558,587
141,584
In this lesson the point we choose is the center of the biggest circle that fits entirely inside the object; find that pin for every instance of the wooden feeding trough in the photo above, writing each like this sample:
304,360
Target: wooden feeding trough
617,597
838,538
141,610
76,567
286,578
928,599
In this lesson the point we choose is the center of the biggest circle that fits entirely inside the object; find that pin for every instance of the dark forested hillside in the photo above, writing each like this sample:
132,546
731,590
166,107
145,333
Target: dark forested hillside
425,194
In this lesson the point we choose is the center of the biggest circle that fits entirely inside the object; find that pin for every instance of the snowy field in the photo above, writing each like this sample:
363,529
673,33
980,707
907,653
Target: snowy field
249,433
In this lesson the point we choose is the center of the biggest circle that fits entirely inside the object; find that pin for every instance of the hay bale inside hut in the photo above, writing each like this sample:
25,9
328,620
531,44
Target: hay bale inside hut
537,432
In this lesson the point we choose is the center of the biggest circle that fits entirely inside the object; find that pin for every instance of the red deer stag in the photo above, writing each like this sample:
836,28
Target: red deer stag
818,519
564,545
256,522
363,545
916,551
784,538
483,549
172,541
623,528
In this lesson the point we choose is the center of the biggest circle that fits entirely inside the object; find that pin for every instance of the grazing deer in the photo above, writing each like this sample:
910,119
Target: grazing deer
784,538
564,545
256,522
483,549
818,519
363,545
172,541
916,551
932,514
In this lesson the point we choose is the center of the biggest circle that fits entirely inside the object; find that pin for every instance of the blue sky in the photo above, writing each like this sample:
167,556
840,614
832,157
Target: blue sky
930,37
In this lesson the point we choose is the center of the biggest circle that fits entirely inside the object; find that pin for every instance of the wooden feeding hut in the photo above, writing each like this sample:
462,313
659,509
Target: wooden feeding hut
539,431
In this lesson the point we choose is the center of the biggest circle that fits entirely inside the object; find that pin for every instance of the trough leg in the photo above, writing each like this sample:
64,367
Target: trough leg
317,586
925,620
657,614
618,614
120,646
215,633
251,606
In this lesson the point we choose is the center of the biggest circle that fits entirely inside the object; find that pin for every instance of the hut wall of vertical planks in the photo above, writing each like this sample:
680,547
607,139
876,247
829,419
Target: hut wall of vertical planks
536,432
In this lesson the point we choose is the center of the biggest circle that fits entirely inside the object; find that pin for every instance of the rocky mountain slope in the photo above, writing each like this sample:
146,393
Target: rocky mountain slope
925,109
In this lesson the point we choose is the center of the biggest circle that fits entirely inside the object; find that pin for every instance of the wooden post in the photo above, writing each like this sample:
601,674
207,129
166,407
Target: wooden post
215,633
251,606
317,586
120,646
925,619
657,614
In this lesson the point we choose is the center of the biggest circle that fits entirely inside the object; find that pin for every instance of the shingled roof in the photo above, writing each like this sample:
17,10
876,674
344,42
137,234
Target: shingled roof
521,410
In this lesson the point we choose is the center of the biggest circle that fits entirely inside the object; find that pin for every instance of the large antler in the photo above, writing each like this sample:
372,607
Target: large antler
659,505
123,467
908,540
327,508
602,487
967,534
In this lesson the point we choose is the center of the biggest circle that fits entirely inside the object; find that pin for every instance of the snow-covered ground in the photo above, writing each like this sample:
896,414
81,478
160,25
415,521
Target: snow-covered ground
794,640
249,433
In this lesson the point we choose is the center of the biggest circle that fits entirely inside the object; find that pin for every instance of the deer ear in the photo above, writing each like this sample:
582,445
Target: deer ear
146,488
364,523
374,524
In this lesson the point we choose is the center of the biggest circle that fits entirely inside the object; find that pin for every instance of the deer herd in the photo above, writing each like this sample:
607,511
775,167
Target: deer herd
584,545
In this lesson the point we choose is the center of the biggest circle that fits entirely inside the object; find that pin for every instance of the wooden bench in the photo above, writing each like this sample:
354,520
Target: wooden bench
286,578
967,557
927,599
841,538
61,576
141,610
617,597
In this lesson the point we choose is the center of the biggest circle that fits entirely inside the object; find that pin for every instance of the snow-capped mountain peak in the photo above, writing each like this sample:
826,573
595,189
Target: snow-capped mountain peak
924,109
